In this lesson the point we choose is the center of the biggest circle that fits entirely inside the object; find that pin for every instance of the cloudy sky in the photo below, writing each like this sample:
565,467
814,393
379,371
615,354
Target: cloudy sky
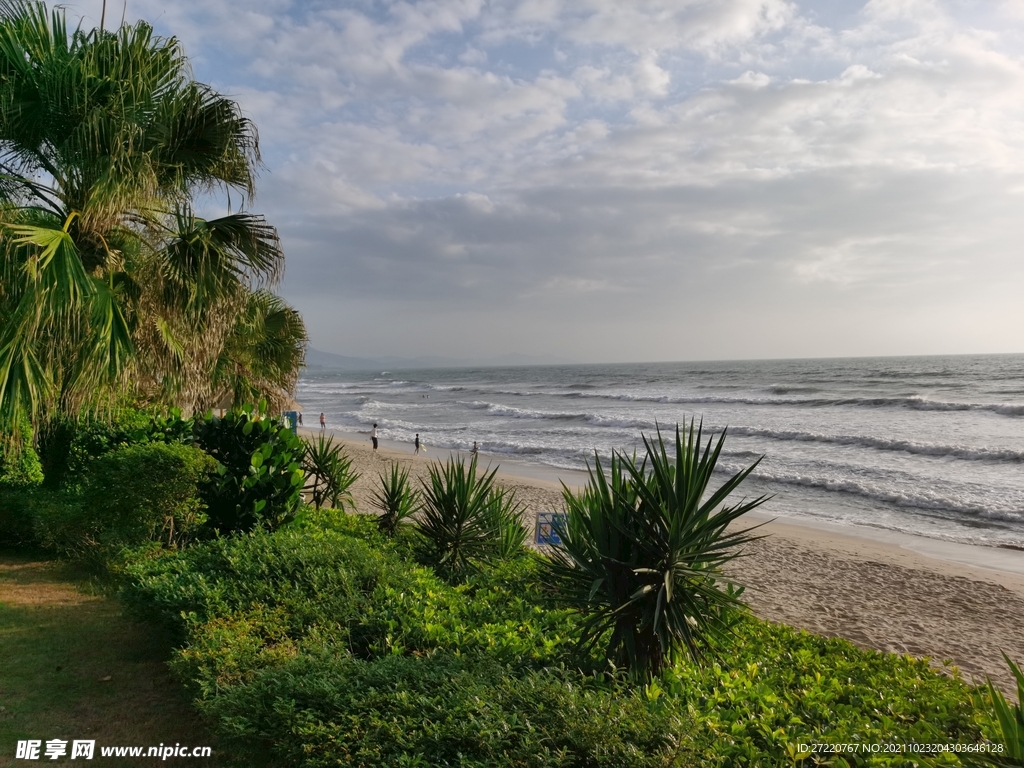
612,180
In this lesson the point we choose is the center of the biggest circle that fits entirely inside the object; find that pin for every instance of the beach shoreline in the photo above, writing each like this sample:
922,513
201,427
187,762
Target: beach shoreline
1006,566
880,589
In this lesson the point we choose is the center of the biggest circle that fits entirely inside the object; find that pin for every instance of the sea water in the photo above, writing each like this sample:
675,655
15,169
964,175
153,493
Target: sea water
926,445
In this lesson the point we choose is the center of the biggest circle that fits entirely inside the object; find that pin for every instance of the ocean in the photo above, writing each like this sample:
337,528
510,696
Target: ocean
932,446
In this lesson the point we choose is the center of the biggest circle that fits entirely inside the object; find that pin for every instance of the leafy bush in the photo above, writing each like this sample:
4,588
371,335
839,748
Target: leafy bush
642,549
68,446
318,647
259,477
167,428
17,518
19,462
147,492
324,707
780,688
341,585
59,522
465,519
329,472
395,498
135,494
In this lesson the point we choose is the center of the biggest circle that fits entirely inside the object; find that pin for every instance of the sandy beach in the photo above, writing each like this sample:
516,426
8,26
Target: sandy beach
889,592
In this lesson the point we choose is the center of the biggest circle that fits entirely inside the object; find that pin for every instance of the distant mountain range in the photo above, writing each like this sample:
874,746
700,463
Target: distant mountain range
315,358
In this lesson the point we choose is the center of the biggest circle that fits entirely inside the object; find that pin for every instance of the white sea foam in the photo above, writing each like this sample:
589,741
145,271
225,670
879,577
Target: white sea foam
930,440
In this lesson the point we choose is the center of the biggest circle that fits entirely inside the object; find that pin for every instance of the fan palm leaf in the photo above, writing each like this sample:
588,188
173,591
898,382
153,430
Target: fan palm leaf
106,273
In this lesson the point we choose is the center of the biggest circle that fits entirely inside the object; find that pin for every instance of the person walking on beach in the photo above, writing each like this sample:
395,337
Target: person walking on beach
416,442
323,424
373,435
474,448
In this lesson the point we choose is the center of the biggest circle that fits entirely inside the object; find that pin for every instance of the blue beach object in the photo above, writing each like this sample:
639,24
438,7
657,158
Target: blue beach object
548,526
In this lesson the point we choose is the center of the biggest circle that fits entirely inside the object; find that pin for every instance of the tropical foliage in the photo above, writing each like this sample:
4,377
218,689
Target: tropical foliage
395,498
109,280
641,552
1010,718
19,461
326,645
132,495
258,480
328,471
464,518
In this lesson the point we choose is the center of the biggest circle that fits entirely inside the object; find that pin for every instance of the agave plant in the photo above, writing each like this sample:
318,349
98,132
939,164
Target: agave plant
505,515
462,518
396,499
642,549
1011,726
329,473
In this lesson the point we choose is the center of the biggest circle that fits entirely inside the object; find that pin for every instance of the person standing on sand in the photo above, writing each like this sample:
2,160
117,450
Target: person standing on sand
474,448
373,435
323,424
416,442
300,418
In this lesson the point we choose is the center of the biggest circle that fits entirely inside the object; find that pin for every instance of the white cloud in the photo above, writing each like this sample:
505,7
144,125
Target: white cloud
650,76
684,156
751,79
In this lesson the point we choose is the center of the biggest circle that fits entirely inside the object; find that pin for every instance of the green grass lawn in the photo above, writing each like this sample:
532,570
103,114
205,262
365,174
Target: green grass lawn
72,667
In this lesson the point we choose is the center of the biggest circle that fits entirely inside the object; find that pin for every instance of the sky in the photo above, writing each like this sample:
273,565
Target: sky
601,180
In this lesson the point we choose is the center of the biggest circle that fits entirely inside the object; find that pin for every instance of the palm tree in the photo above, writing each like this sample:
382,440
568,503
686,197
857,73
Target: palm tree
262,354
107,275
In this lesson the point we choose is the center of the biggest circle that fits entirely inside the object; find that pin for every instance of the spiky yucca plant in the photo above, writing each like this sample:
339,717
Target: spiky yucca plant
465,518
396,499
329,472
1011,727
505,515
642,550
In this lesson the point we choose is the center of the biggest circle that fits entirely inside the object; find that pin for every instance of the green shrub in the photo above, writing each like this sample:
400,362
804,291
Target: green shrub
132,495
60,524
259,478
319,646
780,688
21,474
333,583
17,518
316,577
329,472
395,498
68,446
642,550
147,492
465,520
167,428
19,462
326,708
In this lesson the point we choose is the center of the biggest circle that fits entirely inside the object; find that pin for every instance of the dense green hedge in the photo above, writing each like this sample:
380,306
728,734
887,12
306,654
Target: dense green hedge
68,446
323,707
144,477
133,494
324,644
